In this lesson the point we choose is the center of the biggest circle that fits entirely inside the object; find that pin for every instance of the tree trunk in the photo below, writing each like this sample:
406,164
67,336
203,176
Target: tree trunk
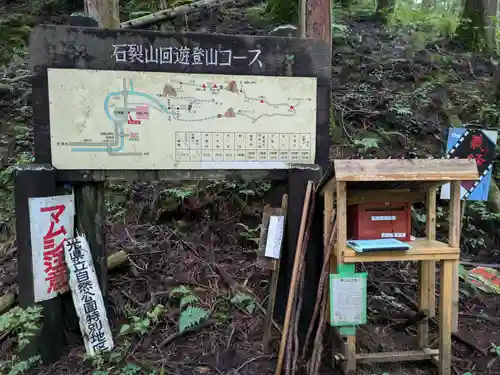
490,12
384,9
105,12
476,31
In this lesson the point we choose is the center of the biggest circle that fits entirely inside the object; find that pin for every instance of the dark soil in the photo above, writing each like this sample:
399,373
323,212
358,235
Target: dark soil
390,99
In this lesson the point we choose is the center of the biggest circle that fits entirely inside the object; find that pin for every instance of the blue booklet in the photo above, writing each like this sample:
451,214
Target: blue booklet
383,244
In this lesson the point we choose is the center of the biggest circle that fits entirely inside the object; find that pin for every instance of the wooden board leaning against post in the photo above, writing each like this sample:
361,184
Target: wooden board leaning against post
272,237
39,236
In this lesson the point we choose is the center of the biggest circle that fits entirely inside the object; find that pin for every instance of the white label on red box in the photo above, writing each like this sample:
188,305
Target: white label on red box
383,218
393,235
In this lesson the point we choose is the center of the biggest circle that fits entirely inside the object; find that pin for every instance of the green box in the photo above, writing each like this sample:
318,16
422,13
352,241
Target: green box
354,295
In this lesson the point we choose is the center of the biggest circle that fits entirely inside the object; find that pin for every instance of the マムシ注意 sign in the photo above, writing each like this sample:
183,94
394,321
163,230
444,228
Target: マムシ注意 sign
51,224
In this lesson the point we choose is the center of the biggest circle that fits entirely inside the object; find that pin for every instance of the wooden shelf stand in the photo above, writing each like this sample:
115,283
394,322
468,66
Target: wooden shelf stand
356,181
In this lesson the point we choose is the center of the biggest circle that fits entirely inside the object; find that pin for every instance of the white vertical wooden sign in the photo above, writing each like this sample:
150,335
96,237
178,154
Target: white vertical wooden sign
87,296
51,223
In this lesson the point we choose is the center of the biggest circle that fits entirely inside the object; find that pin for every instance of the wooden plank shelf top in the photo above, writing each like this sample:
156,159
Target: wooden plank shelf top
421,249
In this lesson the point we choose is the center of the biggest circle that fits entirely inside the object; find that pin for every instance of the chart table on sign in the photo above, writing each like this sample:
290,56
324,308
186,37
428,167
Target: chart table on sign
230,146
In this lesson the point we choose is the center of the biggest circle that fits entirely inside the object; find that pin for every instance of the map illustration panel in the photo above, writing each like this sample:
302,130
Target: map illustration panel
146,120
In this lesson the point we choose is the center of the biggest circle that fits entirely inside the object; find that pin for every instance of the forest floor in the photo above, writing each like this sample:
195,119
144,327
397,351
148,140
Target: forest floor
395,94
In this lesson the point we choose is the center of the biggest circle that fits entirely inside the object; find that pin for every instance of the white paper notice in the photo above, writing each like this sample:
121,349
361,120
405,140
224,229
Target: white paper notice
348,300
87,296
275,236
51,223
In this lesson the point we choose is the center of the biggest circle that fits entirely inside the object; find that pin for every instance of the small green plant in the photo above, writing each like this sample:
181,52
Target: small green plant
495,349
244,302
140,325
367,143
191,313
180,193
25,324
250,234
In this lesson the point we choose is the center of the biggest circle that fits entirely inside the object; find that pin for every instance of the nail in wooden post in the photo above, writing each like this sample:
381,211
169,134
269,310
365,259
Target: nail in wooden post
36,181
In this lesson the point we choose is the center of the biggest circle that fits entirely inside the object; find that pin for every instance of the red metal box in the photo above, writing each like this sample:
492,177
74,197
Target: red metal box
371,221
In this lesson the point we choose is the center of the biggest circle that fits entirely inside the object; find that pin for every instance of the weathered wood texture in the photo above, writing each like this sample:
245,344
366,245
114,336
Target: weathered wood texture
318,23
36,181
406,170
90,214
106,12
344,175
92,48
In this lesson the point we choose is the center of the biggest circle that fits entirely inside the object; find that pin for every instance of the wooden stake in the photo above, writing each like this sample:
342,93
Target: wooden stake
273,287
293,283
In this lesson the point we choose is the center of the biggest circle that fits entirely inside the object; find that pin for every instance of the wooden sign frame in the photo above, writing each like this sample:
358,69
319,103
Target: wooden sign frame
67,47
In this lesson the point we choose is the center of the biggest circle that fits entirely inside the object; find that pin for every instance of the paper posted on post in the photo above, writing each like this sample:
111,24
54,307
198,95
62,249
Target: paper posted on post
275,236
87,296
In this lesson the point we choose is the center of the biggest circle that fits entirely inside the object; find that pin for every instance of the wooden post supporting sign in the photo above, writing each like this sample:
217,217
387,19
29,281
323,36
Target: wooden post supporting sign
33,181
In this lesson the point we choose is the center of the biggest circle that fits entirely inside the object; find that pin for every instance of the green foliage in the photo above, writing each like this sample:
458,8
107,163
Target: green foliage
495,349
14,32
367,143
478,221
434,24
250,234
7,173
140,324
25,323
181,193
191,317
283,11
245,302
191,312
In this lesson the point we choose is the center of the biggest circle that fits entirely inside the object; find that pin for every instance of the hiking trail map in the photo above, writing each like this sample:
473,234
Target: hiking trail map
147,120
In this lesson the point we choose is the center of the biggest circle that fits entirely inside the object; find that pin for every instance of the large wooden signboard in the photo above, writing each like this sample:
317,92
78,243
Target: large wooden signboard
113,100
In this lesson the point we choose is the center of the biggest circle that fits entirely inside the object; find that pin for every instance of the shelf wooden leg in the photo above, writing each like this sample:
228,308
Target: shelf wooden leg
446,317
423,302
430,230
350,356
454,241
